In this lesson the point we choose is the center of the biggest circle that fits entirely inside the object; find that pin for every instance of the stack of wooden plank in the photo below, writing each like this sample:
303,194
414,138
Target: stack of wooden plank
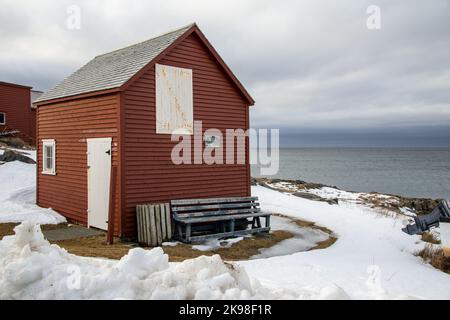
154,224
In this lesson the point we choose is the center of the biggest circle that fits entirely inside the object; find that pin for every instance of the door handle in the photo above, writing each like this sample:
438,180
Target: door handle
108,152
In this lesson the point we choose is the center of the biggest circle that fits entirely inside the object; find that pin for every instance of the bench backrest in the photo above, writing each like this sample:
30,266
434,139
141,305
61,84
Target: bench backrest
214,206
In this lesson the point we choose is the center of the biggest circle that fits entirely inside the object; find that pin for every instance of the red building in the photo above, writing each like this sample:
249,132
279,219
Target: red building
119,109
17,115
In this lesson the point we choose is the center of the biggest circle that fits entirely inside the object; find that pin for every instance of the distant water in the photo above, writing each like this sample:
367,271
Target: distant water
411,172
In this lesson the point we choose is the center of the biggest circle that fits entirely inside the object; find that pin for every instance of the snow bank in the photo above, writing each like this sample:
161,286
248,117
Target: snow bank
32,268
18,195
372,258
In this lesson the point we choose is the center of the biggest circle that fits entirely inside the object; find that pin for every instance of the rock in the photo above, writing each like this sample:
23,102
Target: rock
421,206
13,142
10,155
418,205
314,197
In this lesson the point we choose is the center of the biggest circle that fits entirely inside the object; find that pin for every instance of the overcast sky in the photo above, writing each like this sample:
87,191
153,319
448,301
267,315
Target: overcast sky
314,68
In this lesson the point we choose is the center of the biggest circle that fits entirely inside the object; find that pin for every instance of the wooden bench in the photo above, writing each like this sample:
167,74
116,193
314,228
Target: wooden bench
199,219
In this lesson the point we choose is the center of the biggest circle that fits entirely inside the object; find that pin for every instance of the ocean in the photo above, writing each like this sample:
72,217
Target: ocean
411,172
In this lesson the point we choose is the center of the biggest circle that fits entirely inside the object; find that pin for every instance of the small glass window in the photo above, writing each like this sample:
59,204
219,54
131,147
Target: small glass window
212,141
2,118
49,152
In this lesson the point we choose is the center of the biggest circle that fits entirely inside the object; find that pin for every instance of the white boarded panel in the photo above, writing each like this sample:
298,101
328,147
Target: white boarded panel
174,101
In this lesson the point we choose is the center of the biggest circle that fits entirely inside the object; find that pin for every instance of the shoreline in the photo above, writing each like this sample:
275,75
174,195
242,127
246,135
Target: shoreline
333,194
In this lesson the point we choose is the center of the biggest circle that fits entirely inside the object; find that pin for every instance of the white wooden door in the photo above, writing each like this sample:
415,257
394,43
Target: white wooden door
99,171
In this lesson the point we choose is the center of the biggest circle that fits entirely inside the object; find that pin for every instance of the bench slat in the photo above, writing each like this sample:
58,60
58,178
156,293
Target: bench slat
221,218
216,213
215,206
211,200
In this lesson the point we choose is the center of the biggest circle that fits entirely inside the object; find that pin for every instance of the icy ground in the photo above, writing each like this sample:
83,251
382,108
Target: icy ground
372,259
304,238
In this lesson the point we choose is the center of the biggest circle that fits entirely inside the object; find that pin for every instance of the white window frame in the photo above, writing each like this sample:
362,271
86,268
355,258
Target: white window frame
49,143
4,118
174,100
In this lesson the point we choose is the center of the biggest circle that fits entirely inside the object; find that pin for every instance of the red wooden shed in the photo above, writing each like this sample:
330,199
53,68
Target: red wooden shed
16,111
116,110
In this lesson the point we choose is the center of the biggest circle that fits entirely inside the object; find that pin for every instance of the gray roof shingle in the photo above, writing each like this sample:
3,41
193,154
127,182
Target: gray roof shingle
113,69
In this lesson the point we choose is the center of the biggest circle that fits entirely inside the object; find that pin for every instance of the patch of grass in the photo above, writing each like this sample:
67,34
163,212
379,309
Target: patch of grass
241,250
322,244
96,246
325,243
7,229
430,238
87,247
435,256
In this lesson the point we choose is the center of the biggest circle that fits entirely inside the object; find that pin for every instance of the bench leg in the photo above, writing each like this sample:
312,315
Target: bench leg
232,225
258,222
188,233
180,231
267,221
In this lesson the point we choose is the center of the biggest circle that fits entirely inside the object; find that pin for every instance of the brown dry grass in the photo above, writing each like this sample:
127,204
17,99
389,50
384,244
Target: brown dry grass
96,246
241,250
7,229
429,237
322,244
435,257
87,247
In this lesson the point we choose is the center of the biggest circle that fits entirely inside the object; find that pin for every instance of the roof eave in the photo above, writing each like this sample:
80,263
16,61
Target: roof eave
15,85
76,96
192,29
230,73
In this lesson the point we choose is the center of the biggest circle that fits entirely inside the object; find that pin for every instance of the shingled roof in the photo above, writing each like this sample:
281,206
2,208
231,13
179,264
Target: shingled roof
113,69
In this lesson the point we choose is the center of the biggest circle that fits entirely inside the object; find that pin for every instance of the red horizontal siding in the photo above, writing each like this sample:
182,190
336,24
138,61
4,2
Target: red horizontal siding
70,124
15,102
150,176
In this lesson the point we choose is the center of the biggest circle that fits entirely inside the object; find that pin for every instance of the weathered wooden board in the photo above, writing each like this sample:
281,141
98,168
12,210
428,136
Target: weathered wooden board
154,223
174,100
211,200
215,206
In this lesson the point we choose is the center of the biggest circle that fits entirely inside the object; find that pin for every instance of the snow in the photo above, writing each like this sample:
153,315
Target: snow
214,243
304,239
31,268
18,195
372,258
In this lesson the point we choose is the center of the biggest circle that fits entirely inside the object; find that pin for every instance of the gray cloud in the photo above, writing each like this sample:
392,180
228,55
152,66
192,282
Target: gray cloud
308,64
